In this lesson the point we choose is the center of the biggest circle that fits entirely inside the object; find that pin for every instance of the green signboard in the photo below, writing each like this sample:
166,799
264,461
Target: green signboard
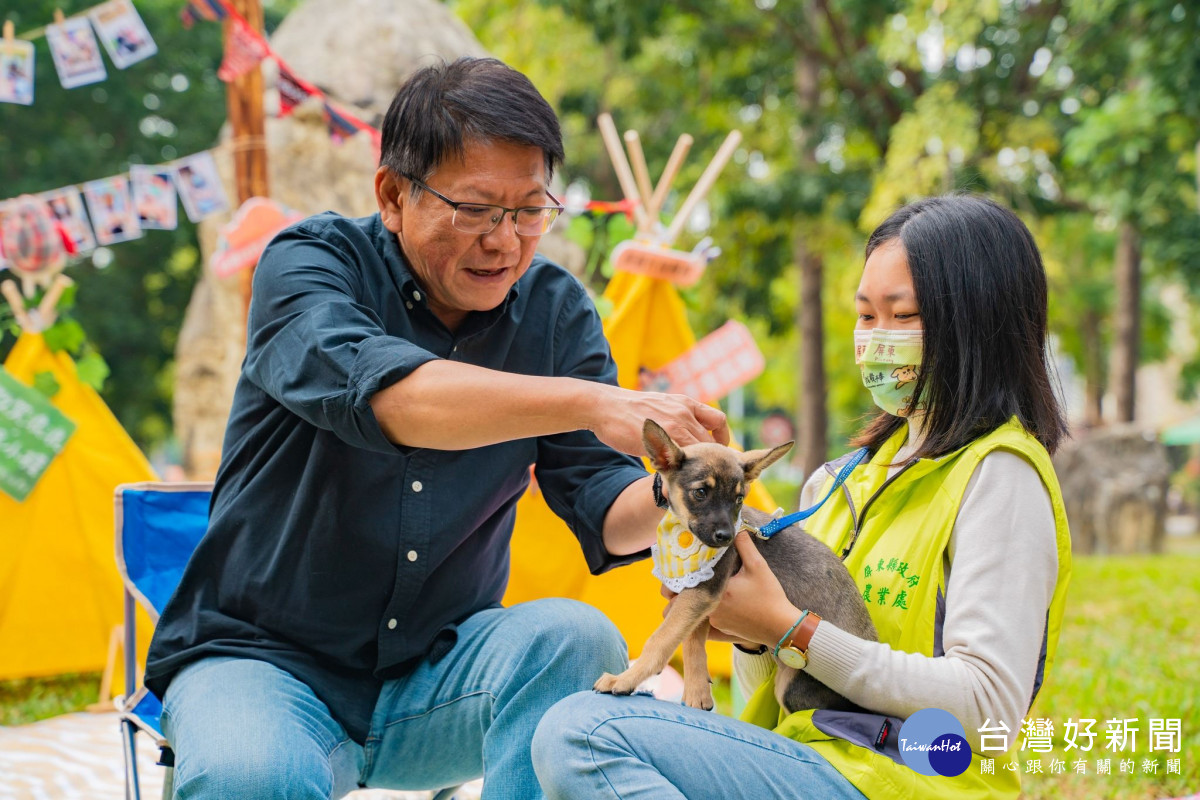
32,433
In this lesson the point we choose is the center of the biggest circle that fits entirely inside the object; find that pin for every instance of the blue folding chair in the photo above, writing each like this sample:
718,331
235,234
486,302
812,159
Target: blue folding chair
158,527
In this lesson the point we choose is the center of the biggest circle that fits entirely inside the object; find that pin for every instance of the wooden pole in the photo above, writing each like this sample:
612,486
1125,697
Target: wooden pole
244,100
707,179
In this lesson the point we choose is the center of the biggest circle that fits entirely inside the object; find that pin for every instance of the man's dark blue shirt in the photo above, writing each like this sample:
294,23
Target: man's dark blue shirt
334,553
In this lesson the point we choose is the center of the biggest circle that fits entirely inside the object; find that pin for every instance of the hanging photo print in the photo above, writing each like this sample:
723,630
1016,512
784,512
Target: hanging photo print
76,53
16,71
199,186
124,34
154,197
111,206
66,206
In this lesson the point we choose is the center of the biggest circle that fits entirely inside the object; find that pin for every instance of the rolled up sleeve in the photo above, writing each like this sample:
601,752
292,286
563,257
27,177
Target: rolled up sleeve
579,475
314,347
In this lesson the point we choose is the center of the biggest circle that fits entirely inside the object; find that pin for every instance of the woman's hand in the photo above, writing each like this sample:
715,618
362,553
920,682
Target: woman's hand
754,609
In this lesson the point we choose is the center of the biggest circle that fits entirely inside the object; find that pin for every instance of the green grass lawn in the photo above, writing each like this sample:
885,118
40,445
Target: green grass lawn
1130,649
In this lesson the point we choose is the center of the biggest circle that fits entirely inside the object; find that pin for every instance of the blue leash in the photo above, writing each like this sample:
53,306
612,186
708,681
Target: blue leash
779,523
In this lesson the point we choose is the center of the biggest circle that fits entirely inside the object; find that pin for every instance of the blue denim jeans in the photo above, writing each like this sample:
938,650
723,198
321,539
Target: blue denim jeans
242,728
599,746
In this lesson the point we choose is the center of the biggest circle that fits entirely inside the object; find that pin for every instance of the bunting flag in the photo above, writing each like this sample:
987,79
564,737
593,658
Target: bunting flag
292,90
210,10
244,49
341,124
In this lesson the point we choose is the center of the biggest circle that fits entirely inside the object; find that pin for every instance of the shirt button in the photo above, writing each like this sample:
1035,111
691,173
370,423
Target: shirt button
412,555
416,296
392,624
408,305
417,486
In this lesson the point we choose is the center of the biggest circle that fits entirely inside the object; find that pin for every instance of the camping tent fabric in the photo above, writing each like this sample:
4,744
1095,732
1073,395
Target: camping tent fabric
60,594
648,328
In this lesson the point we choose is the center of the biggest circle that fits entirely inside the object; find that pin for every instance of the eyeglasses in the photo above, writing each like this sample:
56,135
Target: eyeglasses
480,218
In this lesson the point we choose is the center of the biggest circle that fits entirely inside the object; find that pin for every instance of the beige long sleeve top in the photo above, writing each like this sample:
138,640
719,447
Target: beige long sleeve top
1001,568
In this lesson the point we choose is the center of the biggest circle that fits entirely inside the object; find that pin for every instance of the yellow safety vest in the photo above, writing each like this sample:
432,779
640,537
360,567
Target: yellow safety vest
904,526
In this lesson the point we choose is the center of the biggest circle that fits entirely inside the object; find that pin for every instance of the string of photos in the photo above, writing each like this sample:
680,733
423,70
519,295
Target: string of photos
118,208
74,48
246,48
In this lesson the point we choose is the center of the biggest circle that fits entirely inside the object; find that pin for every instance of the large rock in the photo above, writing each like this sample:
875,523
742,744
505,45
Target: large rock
359,62
1114,483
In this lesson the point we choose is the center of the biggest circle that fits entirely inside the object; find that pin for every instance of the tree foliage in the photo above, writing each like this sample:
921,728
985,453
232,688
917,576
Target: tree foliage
131,297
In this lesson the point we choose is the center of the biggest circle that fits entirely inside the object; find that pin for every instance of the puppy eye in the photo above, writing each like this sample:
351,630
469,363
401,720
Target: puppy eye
699,494
740,499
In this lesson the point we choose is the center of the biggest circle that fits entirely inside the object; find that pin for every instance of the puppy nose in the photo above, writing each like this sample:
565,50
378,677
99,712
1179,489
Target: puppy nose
722,536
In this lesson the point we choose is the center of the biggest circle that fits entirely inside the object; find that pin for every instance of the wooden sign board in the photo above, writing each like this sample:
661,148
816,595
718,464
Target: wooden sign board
32,433
658,261
719,363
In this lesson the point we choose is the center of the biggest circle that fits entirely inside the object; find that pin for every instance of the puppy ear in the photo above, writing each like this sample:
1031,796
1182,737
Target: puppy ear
664,454
755,461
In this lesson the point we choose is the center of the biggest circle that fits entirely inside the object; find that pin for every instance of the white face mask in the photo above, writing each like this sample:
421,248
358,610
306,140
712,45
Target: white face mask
890,362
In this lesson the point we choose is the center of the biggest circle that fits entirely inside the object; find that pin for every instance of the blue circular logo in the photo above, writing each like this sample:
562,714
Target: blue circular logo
933,742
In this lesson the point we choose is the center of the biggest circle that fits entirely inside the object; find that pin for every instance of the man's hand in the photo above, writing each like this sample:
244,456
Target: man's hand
620,413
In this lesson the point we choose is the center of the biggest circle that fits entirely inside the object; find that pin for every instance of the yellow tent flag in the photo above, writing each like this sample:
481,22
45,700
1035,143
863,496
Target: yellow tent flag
648,328
60,592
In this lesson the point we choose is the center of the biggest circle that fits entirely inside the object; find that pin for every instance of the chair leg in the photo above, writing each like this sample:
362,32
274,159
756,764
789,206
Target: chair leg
132,790
168,783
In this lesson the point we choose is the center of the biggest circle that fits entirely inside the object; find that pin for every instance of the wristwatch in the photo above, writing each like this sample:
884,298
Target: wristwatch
789,654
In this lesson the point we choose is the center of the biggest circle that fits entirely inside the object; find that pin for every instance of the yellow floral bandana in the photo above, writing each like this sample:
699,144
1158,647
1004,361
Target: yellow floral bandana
681,560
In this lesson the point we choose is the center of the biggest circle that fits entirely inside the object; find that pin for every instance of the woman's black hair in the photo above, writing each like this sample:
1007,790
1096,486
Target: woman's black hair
981,291
442,107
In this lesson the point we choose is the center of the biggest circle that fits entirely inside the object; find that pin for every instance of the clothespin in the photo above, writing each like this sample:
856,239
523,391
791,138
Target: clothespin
9,32
59,19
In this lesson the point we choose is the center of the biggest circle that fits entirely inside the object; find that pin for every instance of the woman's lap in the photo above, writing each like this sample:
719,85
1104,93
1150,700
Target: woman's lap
594,745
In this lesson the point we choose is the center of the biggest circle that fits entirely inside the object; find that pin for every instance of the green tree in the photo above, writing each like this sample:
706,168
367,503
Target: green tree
165,107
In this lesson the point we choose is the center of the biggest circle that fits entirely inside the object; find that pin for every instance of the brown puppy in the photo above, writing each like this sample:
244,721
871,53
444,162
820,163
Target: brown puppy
705,486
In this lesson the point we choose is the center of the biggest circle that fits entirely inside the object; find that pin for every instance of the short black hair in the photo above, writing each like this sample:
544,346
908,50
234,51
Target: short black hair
443,106
981,291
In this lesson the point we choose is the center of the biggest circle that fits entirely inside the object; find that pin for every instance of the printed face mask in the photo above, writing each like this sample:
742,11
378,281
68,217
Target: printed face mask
890,362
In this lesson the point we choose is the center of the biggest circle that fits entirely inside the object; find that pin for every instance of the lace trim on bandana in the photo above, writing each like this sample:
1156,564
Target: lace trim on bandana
681,560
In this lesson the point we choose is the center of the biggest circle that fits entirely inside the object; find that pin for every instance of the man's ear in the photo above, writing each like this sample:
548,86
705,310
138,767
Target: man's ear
664,454
390,195
755,461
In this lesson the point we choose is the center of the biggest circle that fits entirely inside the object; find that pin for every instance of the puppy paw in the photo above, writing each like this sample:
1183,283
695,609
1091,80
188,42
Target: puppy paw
699,696
616,684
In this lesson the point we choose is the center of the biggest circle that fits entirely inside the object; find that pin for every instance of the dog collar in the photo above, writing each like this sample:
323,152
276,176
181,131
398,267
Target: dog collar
660,499
681,560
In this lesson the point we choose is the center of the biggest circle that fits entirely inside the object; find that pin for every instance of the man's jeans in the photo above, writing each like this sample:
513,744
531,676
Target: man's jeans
246,729
598,746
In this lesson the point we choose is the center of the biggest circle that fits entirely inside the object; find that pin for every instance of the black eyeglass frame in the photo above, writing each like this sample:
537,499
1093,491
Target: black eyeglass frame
557,208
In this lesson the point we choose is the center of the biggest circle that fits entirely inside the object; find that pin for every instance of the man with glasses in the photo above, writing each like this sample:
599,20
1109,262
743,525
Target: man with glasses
340,624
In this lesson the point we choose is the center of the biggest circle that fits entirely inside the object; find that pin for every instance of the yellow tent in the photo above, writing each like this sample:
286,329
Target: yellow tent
648,327
60,593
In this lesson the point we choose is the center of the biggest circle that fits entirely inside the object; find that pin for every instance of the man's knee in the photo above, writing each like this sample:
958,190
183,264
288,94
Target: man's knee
576,631
254,772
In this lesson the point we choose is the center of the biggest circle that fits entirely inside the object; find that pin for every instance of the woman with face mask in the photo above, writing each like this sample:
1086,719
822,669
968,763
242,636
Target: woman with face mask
952,526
